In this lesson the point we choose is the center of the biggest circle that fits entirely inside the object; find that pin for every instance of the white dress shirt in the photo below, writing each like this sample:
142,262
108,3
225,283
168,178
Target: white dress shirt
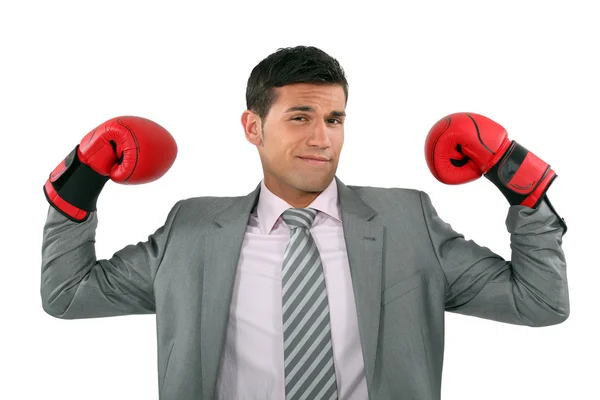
252,363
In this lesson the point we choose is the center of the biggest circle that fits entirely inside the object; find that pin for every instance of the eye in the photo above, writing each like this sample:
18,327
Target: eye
330,120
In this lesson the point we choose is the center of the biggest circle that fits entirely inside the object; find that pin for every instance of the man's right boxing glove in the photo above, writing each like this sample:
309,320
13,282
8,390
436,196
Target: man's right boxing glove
127,150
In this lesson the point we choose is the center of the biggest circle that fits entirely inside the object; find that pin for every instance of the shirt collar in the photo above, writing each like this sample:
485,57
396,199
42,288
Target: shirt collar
270,207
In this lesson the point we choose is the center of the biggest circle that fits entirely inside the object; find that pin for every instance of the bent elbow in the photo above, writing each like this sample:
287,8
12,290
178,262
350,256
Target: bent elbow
552,317
50,309
52,305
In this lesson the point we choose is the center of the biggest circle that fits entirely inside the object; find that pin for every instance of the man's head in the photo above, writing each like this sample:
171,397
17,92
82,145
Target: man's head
296,100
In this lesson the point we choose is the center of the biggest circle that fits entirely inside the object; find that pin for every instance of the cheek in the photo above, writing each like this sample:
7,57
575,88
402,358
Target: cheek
281,153
337,143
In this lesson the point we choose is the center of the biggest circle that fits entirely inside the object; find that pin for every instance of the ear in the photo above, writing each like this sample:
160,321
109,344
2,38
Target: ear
252,127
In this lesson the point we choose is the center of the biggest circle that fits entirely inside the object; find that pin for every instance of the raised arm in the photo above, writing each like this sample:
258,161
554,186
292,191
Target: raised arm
74,284
531,288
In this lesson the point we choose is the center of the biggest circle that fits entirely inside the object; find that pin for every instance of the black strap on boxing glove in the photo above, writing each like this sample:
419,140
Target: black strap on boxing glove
521,176
73,188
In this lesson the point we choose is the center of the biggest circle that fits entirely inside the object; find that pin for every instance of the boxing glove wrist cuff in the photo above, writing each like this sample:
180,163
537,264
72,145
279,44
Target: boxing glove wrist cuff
521,176
73,188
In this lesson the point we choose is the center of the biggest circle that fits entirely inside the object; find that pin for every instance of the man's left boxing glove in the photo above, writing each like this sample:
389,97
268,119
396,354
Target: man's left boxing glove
127,150
461,147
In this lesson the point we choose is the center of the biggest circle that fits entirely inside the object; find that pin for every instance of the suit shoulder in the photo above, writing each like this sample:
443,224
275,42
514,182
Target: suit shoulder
206,202
393,192
194,208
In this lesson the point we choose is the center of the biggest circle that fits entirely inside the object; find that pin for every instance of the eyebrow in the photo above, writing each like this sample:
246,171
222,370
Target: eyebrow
310,109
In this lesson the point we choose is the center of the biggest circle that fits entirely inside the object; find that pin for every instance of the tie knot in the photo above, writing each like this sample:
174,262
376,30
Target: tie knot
299,217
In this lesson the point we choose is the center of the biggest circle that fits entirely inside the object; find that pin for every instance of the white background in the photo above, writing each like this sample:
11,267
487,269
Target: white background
66,67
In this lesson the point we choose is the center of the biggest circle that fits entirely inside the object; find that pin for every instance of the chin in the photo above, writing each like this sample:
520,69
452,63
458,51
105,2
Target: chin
314,184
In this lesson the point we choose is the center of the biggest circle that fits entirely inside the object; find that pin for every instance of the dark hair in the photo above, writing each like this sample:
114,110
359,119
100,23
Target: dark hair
300,64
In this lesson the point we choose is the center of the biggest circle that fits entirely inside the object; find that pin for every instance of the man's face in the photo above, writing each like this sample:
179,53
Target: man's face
306,120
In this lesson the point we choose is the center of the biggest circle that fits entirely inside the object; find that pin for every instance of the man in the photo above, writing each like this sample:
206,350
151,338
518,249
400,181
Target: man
305,288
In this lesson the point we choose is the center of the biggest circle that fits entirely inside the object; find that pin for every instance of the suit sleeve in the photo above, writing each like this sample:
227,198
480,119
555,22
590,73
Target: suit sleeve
74,284
530,289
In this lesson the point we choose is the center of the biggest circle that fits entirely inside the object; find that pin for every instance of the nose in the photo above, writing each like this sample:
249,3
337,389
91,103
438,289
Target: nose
320,135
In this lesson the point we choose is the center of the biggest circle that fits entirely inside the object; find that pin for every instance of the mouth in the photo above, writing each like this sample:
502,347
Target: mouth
314,161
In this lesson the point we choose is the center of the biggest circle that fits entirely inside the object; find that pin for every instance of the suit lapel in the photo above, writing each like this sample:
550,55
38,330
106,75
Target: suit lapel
364,241
222,254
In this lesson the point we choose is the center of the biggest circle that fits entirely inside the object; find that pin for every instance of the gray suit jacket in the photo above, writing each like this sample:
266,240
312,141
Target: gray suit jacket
407,267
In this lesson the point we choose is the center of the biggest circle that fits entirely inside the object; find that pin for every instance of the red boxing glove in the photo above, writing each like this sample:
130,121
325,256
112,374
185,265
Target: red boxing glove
463,146
128,150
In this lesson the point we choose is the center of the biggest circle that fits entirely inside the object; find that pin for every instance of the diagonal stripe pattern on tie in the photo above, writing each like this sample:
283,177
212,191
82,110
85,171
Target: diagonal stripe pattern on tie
308,355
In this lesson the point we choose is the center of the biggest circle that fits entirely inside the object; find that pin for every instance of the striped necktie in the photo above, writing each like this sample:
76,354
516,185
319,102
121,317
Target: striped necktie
308,355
